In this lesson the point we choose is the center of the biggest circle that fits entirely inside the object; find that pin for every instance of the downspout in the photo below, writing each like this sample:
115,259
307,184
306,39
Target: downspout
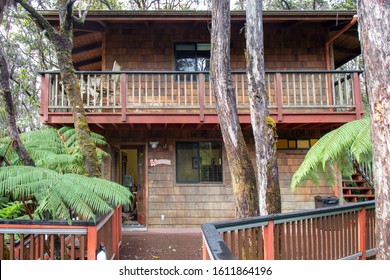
334,37
338,192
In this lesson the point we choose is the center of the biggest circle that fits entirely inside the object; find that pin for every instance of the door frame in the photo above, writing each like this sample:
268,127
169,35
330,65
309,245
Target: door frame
142,219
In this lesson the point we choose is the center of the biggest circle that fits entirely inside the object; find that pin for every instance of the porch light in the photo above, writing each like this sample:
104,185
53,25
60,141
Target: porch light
153,144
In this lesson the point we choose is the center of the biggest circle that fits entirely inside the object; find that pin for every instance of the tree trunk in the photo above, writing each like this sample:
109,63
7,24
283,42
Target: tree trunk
374,23
63,44
263,126
12,129
240,165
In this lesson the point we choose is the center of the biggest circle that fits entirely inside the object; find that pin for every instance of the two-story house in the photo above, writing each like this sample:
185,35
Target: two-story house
145,84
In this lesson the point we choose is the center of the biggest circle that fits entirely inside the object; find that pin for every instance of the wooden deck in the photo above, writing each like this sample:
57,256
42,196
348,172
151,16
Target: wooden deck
297,99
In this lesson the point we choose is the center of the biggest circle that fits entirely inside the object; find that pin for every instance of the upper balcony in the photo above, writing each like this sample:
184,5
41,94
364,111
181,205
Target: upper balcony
161,99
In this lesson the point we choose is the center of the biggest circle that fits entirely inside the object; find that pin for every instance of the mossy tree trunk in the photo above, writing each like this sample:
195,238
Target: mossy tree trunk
374,29
264,128
12,129
62,41
240,165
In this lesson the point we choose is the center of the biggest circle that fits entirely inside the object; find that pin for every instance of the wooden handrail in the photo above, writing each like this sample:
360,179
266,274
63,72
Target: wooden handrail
217,248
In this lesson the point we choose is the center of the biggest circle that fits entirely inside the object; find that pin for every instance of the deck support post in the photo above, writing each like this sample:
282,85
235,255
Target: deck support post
91,242
357,95
362,219
269,251
279,96
44,109
201,90
123,96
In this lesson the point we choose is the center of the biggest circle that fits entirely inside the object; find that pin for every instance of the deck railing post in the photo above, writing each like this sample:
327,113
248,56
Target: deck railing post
269,241
91,242
44,110
114,234
205,253
357,95
123,96
362,223
201,91
279,96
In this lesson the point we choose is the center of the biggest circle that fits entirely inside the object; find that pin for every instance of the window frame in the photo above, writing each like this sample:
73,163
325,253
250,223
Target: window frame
199,163
195,52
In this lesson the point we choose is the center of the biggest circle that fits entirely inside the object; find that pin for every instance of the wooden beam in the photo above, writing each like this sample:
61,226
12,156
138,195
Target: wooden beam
89,26
85,48
88,61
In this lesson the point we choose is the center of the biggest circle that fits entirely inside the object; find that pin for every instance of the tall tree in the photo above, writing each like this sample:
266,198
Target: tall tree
62,40
374,28
240,165
263,126
12,129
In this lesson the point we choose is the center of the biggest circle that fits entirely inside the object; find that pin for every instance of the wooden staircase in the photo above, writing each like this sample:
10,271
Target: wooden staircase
357,189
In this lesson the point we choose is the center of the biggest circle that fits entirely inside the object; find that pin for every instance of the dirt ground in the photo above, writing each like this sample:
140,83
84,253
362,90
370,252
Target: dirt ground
162,244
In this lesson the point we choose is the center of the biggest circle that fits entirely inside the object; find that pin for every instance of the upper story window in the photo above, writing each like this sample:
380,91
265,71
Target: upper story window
199,162
192,57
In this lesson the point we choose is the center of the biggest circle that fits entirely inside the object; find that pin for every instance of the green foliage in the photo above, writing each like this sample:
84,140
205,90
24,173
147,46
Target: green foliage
62,195
351,140
52,148
10,209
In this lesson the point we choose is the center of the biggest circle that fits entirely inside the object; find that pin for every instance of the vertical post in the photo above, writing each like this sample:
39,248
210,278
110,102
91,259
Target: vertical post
119,225
279,96
362,247
269,251
201,87
2,252
91,242
44,110
330,90
205,253
114,234
357,95
123,96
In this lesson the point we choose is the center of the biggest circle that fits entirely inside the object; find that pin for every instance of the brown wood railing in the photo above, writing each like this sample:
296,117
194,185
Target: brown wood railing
55,240
340,232
123,91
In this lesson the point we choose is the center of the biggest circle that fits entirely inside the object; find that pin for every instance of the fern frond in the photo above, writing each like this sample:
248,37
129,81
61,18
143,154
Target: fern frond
59,193
336,147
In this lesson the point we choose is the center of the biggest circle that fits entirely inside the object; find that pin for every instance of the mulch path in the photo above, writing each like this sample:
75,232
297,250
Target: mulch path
162,244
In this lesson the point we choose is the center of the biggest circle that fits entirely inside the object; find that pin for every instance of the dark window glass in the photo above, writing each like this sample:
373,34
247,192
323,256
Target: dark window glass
199,162
192,57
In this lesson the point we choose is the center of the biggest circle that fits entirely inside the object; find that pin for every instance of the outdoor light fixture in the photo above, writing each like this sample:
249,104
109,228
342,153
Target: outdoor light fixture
101,254
153,144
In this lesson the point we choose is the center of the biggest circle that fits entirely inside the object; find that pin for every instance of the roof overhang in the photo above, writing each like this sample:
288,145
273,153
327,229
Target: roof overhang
88,37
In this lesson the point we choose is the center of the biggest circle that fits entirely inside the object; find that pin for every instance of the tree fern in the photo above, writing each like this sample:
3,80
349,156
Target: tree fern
352,140
61,194
55,149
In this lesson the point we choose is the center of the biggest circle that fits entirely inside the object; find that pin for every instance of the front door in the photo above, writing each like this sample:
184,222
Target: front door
134,177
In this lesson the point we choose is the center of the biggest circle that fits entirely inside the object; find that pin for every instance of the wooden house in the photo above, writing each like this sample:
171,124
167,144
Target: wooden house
145,84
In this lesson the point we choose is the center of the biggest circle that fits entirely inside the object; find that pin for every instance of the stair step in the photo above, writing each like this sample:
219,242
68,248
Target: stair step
354,181
359,195
358,188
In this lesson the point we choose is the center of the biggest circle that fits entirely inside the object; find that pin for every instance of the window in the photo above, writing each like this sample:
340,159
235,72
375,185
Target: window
191,57
199,162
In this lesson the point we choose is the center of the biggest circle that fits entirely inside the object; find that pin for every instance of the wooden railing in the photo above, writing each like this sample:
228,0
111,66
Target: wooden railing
123,91
54,240
340,232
